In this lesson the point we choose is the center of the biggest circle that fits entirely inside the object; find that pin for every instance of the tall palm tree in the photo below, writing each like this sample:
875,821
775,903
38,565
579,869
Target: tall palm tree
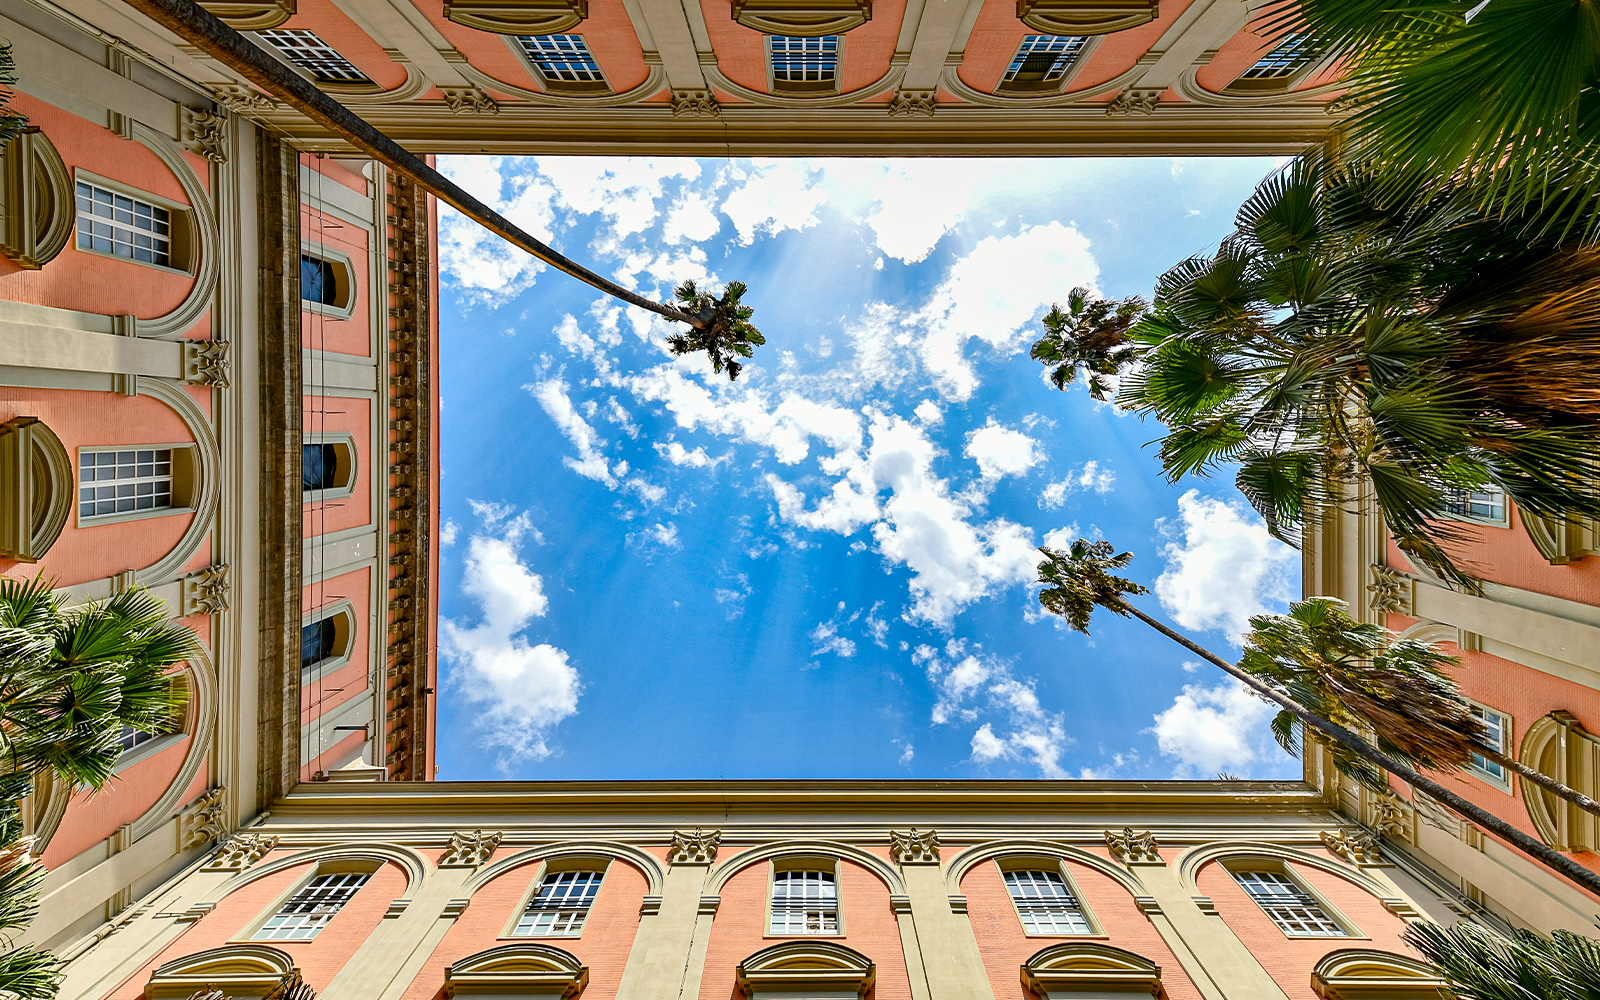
26,971
1478,964
1082,578
1091,334
1364,677
726,331
72,678
1500,96
1334,343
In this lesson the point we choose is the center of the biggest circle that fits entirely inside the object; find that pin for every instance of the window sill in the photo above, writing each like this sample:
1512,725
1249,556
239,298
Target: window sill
1090,936
133,515
539,937
145,751
1498,784
326,311
802,937
180,272
335,493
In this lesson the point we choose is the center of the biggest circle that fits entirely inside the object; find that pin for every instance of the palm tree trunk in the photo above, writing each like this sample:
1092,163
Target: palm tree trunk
1540,852
1541,779
204,30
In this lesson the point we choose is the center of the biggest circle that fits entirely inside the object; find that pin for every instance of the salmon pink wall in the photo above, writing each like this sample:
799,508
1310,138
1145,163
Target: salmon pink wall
1005,946
1287,960
333,169
607,937
334,26
607,30
869,923
96,419
318,959
1508,556
92,282
320,332
351,415
91,817
350,680
864,52
997,33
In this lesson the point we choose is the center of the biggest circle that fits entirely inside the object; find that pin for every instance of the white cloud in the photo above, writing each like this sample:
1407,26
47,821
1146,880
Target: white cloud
657,536
482,265
552,395
1090,478
623,189
828,640
1061,538
1215,729
919,201
677,454
447,534
1222,566
772,196
970,685
1001,451
523,690
693,220
928,413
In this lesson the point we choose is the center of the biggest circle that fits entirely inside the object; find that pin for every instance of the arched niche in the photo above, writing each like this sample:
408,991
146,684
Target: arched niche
240,971
802,18
527,969
1193,861
1559,746
1090,969
805,969
37,488
518,17
1085,17
1365,974
725,870
1562,540
37,207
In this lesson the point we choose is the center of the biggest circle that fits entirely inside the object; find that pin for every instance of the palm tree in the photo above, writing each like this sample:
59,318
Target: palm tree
1498,95
1091,334
1364,677
1478,964
726,329
72,678
1333,343
1081,579
26,971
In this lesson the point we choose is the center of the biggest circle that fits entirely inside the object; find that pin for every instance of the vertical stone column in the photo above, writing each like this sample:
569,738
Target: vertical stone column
395,952
669,951
951,964
1221,967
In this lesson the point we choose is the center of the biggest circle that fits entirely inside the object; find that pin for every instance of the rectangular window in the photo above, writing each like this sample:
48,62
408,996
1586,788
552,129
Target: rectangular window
808,62
1478,505
804,902
561,58
1294,910
319,466
317,642
1045,904
1044,58
312,54
1499,732
310,909
124,482
318,282
113,223
1292,54
559,907
132,737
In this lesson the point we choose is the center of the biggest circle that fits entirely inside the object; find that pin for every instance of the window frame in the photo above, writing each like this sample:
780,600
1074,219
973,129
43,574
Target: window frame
802,88
1255,86
556,866
808,863
1266,864
331,866
365,85
1046,863
184,720
181,234
341,608
183,484
1507,745
1503,521
345,307
1041,88
345,442
580,88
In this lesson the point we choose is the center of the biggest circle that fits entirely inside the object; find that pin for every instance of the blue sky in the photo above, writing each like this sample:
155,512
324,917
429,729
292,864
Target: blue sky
824,569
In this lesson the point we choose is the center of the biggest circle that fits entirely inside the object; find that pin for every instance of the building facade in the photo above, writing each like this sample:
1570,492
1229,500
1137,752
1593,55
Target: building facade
899,890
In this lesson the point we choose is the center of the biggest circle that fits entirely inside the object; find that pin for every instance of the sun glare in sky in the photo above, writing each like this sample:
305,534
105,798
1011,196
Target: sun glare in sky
825,569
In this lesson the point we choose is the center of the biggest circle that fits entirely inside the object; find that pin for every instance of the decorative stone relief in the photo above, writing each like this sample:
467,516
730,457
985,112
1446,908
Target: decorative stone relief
1390,592
1341,106
202,133
204,819
913,103
695,848
242,99
1135,101
205,592
1134,848
914,848
696,103
1391,817
802,17
469,849
205,362
241,852
468,101
1355,846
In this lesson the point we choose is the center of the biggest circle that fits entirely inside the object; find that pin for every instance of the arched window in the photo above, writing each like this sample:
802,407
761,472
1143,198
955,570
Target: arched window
1290,903
805,897
327,465
1090,969
327,280
559,904
1284,65
115,220
1046,903
36,201
326,638
311,907
35,489
1559,746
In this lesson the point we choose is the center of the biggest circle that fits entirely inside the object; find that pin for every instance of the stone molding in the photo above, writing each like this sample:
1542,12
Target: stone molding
913,104
914,848
1355,846
1132,848
242,851
697,848
204,820
469,849
695,103
204,132
205,362
1135,101
1390,592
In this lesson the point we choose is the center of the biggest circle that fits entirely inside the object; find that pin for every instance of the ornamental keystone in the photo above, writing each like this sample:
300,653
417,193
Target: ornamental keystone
695,848
469,849
241,852
914,848
1355,846
1134,848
